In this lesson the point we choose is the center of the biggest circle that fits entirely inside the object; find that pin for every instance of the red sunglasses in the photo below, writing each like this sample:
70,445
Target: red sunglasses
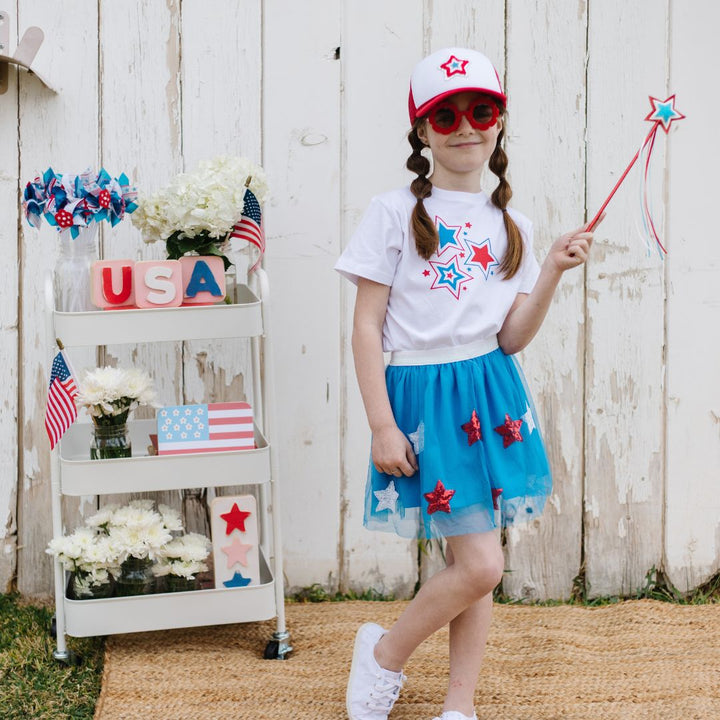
481,114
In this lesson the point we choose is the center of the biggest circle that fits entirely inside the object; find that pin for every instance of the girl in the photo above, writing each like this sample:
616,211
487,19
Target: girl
448,284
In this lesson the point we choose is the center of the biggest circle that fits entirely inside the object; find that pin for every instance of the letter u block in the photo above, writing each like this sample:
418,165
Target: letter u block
158,283
112,284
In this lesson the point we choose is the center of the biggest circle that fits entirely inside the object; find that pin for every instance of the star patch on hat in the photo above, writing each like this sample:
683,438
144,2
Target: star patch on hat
454,66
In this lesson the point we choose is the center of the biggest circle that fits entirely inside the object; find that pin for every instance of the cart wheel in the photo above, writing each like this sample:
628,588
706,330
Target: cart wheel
70,659
53,627
271,650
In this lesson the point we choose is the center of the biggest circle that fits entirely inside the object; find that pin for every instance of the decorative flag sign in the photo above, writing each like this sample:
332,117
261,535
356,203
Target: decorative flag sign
217,427
61,411
249,227
234,529
663,114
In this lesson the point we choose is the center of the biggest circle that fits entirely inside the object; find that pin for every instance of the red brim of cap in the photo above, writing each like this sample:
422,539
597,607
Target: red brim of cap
430,104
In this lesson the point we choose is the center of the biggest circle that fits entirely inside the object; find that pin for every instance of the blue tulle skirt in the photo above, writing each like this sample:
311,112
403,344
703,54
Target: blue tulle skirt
481,458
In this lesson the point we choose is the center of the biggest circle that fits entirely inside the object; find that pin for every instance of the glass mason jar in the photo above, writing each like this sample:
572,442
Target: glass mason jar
72,269
176,583
136,577
82,589
110,442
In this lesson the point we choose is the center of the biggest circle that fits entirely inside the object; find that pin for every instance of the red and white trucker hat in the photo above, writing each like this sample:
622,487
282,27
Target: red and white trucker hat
450,71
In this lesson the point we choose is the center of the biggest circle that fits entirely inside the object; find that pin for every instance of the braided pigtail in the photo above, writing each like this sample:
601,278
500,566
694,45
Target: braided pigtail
500,198
426,237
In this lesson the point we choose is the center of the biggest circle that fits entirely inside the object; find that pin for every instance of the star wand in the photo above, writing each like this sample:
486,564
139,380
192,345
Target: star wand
663,114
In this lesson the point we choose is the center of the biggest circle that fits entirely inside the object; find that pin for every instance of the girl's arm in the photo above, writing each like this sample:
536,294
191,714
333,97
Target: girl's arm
528,311
391,450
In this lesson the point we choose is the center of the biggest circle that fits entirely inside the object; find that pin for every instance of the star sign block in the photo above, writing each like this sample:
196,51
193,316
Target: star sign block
454,66
439,499
510,430
236,514
664,112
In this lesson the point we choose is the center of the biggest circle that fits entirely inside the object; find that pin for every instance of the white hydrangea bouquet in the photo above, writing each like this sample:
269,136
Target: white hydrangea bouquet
196,211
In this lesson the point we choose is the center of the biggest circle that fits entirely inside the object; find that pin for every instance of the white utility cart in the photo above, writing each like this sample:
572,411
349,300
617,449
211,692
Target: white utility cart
74,473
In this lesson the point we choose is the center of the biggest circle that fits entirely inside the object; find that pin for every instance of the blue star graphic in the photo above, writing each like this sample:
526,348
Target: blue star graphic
449,275
237,580
664,112
449,235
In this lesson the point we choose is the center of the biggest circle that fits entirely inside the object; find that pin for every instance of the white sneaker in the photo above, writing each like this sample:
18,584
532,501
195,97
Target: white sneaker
455,715
371,690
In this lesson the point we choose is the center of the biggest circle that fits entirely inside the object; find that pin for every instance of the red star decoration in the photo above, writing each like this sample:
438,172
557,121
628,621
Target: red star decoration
495,495
235,519
468,225
472,428
63,218
454,66
439,499
481,254
510,430
426,273
664,112
104,198
462,255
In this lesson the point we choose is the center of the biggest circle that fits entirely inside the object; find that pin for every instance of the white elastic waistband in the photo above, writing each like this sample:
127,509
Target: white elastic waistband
439,356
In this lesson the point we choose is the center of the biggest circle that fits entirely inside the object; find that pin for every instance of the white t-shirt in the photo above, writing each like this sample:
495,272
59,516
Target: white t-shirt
456,297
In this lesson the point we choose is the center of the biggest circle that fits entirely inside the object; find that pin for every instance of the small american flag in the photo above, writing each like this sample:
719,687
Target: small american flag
249,227
60,412
216,427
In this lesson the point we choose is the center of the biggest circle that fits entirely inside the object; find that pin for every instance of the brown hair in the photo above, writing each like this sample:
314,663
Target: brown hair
426,236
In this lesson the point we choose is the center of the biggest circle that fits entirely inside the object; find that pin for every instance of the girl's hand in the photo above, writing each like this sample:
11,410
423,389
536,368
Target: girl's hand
392,452
571,249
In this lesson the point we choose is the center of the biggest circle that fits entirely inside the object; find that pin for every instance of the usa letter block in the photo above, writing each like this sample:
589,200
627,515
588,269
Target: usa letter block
203,278
112,284
158,283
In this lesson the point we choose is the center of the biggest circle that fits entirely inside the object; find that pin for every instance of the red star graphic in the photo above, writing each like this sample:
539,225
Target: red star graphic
439,499
510,430
472,428
495,495
462,255
454,66
426,273
481,254
468,225
235,519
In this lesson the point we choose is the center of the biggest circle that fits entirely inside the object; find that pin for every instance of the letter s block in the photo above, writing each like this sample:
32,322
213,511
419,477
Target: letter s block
203,279
158,283
112,284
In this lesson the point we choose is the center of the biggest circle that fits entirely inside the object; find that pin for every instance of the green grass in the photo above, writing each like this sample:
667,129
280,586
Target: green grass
33,685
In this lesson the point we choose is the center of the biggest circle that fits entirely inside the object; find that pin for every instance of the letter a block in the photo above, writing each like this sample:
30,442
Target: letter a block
112,284
158,283
203,278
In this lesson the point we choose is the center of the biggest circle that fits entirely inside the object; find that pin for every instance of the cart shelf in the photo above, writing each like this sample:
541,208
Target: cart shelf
164,611
105,327
148,473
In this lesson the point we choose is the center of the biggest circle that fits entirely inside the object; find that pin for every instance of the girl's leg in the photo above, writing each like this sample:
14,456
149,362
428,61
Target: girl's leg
468,636
476,569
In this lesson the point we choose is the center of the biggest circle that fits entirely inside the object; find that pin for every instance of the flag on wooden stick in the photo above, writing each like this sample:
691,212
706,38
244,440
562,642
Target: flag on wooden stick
61,411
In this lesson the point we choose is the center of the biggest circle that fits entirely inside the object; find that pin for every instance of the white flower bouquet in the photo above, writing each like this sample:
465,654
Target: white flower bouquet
184,557
109,393
197,211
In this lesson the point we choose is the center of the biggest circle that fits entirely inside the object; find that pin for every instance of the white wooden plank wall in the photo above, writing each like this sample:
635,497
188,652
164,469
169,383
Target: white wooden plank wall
316,92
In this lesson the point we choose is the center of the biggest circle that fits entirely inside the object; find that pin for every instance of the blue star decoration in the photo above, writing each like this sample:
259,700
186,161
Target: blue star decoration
449,235
449,275
664,112
237,580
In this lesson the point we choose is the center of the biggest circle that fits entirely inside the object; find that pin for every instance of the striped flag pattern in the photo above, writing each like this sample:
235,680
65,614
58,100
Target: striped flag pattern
60,412
216,427
249,227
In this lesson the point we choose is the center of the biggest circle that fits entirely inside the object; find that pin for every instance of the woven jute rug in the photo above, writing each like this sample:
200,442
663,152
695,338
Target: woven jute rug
639,659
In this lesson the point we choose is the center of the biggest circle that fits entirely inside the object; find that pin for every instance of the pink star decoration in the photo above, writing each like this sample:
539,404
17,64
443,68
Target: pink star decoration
510,430
236,552
439,499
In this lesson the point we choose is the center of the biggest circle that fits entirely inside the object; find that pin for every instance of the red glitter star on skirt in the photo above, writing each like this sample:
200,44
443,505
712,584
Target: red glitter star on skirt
472,428
439,499
510,430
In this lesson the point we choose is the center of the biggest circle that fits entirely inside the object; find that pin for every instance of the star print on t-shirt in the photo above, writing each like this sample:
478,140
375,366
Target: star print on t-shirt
448,275
449,236
481,255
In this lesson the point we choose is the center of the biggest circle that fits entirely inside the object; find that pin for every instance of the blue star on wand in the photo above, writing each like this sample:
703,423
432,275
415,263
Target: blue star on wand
664,112
237,580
